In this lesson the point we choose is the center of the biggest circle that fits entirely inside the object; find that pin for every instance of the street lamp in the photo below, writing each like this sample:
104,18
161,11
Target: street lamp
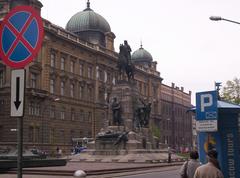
217,18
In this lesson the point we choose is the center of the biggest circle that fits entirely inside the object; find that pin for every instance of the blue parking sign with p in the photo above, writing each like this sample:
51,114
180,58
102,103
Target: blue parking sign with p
206,105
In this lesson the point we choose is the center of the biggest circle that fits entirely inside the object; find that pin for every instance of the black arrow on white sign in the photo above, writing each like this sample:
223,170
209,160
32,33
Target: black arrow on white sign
17,101
17,92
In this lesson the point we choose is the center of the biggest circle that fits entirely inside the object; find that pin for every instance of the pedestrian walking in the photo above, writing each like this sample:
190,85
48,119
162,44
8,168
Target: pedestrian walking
211,169
169,155
189,167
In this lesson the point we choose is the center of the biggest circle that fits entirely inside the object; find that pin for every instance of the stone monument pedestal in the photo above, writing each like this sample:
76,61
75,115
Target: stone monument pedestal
127,137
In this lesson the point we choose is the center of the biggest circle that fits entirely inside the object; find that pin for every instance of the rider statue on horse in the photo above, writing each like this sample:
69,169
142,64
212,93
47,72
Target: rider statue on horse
124,61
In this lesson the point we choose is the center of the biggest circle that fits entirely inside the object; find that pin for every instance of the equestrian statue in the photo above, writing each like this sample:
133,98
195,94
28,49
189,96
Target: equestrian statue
125,64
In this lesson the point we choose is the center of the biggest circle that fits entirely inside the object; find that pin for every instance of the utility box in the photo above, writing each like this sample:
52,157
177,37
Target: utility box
221,132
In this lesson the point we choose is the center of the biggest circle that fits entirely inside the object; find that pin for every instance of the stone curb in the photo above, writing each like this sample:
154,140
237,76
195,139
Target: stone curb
129,161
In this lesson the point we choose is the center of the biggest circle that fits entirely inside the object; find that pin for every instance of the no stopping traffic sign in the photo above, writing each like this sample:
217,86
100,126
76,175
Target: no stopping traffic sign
21,34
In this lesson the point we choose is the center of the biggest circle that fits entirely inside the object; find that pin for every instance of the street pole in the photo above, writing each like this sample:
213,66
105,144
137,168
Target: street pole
18,78
217,18
20,146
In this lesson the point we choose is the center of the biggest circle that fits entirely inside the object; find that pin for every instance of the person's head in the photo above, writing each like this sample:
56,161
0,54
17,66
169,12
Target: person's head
194,155
212,158
125,42
212,154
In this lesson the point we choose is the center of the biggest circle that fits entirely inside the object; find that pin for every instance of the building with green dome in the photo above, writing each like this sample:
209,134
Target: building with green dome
69,84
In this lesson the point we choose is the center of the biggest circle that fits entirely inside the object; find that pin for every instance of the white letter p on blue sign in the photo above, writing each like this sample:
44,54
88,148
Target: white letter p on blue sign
206,105
206,101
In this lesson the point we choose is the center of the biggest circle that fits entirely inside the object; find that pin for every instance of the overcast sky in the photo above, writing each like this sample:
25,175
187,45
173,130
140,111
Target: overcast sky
191,51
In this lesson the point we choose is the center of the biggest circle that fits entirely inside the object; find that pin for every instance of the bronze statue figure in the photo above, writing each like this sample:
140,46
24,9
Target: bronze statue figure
123,137
128,51
147,111
124,61
116,111
142,114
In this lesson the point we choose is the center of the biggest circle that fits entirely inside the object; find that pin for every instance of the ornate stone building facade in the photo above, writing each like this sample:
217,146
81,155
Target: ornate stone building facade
69,85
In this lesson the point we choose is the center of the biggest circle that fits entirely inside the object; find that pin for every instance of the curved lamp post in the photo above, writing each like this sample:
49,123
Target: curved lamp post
217,18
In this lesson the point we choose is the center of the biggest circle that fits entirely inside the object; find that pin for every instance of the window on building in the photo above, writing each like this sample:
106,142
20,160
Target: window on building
33,82
52,135
155,92
1,78
62,88
31,108
89,93
101,95
62,136
37,134
1,132
89,117
62,63
81,92
140,87
1,106
72,90
90,72
37,109
72,134
72,63
155,107
53,60
52,112
62,114
34,109
81,69
72,114
30,134
80,133
145,89
89,134
52,86
81,115
101,75
108,77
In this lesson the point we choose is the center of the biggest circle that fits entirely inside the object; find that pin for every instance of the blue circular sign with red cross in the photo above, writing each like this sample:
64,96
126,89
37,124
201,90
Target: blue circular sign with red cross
21,34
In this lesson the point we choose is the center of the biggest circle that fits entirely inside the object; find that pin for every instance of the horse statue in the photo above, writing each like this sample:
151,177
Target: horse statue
124,62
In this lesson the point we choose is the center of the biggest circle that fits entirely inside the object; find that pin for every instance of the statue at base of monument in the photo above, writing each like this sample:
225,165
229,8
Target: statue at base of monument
142,114
122,138
146,110
116,112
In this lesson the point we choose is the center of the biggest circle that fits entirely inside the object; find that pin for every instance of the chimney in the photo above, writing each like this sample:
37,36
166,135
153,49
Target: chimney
37,5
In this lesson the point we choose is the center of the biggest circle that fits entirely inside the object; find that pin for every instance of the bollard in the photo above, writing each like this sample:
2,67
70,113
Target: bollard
79,173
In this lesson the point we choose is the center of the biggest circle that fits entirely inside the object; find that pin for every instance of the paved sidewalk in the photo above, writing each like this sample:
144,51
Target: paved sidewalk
136,157
73,166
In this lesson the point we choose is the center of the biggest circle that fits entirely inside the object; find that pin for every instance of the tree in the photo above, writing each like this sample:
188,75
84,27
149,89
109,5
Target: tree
231,91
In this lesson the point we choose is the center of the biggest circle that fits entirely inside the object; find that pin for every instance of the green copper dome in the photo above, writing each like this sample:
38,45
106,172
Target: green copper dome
87,20
141,55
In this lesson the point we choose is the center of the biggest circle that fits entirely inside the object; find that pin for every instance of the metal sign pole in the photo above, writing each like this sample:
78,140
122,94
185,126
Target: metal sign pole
18,79
20,146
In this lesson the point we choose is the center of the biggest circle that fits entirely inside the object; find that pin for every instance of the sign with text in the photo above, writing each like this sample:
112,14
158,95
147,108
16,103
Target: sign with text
206,105
17,92
206,111
206,125
230,148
